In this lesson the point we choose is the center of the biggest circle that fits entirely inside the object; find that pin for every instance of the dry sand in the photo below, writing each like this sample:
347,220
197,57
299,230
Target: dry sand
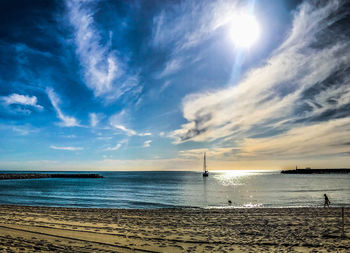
50,229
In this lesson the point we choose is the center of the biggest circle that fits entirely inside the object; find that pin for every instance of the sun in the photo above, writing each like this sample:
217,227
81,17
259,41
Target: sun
244,30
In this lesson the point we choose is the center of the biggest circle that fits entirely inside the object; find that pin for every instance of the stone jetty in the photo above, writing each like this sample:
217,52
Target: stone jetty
7,176
315,171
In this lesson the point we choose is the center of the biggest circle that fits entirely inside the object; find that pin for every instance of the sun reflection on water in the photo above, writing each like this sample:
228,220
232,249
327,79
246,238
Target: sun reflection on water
234,177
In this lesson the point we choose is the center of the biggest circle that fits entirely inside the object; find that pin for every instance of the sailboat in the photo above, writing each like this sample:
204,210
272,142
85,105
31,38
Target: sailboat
205,171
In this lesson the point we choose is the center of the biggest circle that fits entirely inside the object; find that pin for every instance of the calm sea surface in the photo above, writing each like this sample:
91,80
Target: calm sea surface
180,189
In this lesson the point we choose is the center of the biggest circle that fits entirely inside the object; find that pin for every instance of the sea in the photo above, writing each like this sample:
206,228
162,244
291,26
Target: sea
155,189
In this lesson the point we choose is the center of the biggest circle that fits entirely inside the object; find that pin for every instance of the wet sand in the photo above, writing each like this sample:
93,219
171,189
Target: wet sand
50,229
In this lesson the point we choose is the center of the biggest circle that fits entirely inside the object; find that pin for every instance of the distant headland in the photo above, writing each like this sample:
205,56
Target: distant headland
7,176
316,171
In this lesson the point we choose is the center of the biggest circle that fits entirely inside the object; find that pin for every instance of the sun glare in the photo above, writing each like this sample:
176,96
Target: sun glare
244,30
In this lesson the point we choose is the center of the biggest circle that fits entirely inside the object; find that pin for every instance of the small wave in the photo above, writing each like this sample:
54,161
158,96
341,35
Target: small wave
318,190
251,205
146,204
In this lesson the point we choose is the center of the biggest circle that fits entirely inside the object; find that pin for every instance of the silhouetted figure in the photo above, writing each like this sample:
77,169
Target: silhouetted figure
229,202
326,201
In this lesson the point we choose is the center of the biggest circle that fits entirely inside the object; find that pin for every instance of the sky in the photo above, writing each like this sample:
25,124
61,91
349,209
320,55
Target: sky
152,85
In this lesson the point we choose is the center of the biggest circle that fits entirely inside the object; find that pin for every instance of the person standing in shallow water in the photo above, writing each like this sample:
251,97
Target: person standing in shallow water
326,201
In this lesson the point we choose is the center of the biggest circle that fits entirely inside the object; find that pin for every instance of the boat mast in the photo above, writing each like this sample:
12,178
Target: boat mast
204,164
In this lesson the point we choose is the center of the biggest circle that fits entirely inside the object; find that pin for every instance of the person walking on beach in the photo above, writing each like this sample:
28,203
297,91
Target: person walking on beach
326,201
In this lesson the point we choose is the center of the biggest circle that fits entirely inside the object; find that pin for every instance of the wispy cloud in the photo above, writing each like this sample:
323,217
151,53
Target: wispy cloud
185,25
164,86
117,121
317,140
95,118
144,134
66,121
21,100
147,143
320,139
303,84
116,147
24,130
213,153
104,138
171,67
176,25
124,129
104,72
66,148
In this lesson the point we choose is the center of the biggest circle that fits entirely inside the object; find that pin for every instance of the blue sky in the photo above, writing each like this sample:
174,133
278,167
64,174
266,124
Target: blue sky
151,85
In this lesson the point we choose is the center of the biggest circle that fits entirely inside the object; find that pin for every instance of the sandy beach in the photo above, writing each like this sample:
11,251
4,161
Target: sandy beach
51,229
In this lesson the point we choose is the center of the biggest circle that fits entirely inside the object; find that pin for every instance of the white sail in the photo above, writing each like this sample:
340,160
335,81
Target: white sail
205,171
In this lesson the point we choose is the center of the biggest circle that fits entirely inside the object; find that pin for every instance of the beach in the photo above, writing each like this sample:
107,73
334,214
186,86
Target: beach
57,229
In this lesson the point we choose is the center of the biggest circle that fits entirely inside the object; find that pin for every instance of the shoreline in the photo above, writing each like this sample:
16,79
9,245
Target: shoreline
29,228
332,206
180,208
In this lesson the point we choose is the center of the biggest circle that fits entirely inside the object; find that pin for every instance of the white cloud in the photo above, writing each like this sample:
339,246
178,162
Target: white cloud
130,132
303,81
147,144
66,121
117,121
185,25
171,67
213,153
321,139
21,100
24,130
188,23
95,118
124,129
66,148
116,147
20,130
318,140
104,72
104,138
144,134
164,86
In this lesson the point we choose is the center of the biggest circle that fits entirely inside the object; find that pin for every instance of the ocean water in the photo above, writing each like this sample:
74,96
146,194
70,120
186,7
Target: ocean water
180,189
